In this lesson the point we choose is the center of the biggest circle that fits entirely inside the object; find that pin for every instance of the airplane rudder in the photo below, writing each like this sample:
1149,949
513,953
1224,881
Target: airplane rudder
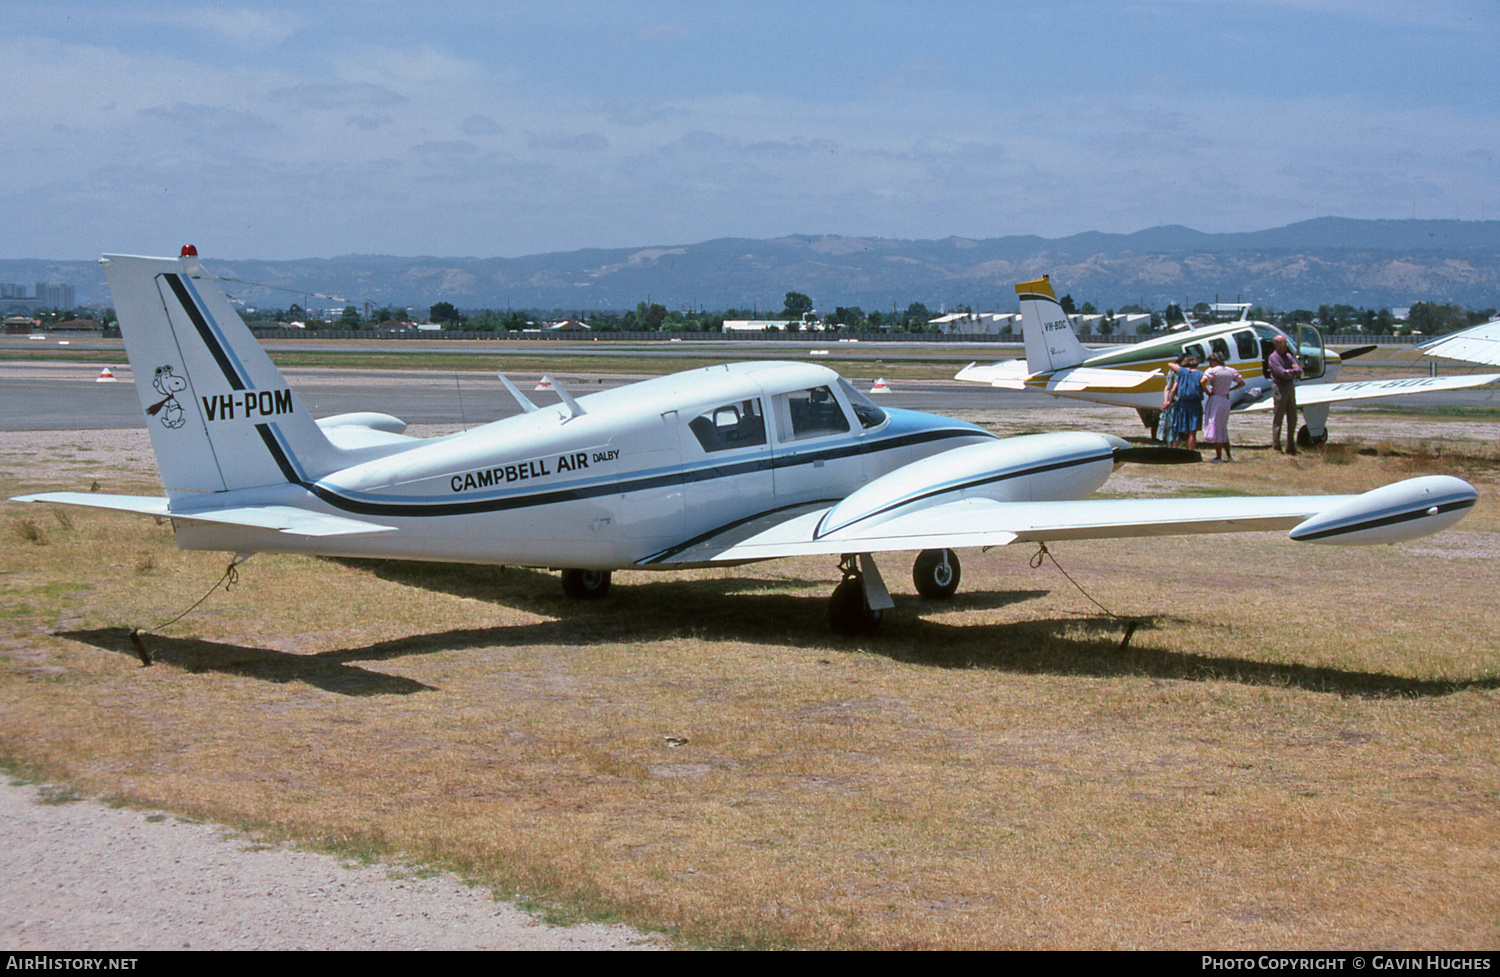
1047,331
221,415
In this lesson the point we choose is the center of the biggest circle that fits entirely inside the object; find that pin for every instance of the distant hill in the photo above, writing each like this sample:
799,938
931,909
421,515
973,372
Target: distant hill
1380,263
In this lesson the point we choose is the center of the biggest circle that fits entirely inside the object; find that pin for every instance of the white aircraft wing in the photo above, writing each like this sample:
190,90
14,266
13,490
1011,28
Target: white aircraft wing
1480,344
981,522
280,518
1006,375
1333,393
949,511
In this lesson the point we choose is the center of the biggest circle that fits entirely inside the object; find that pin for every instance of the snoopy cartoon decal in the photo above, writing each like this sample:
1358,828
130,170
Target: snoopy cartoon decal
169,384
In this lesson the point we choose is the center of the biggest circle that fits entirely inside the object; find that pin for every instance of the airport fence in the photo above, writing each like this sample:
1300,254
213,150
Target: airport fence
793,338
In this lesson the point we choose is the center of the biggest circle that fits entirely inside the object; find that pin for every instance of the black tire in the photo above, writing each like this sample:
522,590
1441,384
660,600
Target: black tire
848,614
935,577
585,584
1306,440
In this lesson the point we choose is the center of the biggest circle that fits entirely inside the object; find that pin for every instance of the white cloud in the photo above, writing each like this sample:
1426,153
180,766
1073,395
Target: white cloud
241,26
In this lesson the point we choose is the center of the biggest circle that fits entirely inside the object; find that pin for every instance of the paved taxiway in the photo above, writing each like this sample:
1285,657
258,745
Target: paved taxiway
65,396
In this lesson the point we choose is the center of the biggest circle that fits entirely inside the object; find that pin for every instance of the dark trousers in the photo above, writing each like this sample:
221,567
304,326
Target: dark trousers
1284,396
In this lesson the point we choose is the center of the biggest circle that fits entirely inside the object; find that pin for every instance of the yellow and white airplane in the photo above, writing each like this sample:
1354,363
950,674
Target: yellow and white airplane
1134,375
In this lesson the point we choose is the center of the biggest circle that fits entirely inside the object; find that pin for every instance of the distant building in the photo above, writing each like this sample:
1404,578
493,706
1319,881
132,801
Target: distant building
77,325
977,323
767,325
56,295
1228,310
568,325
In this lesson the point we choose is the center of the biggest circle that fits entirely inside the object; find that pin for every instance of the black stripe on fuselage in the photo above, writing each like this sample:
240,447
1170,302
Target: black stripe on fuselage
1390,520
205,333
624,485
283,461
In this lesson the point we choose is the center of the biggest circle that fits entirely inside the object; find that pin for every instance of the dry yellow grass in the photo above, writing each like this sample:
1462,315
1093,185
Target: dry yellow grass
1300,746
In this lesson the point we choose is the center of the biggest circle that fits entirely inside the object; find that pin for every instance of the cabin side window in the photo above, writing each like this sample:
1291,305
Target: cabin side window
737,425
1245,342
811,413
1220,345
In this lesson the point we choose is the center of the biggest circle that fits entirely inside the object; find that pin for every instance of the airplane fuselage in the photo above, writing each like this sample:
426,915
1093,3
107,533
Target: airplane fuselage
641,469
1244,346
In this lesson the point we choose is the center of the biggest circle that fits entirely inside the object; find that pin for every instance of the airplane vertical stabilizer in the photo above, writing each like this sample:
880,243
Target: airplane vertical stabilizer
1051,343
220,414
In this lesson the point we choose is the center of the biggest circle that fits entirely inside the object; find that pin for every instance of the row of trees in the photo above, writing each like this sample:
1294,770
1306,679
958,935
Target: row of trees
1425,318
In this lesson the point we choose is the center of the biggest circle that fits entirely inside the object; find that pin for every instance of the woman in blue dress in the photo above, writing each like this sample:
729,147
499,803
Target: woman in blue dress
1187,415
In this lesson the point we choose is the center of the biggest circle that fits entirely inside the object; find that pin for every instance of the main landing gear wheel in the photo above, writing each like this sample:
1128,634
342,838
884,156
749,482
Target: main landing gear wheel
849,614
1305,438
585,584
936,574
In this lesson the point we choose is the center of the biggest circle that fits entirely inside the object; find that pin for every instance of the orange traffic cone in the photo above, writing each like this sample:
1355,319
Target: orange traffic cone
105,376
880,387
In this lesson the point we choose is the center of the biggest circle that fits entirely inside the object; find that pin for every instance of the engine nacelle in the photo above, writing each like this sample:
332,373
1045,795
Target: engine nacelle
1035,467
1392,513
372,420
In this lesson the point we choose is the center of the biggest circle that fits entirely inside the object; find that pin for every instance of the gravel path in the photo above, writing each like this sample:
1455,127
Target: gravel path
83,876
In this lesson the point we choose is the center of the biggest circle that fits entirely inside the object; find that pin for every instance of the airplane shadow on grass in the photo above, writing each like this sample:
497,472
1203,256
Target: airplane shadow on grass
748,610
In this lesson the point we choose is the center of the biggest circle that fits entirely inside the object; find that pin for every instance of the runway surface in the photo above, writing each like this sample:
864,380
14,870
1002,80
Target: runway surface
65,396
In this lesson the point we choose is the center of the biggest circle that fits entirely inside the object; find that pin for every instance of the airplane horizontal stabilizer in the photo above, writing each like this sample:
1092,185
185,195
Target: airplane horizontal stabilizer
1333,393
1100,378
1006,375
280,518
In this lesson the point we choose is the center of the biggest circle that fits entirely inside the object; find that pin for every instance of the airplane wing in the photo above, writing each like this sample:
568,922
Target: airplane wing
281,518
982,522
1480,344
1332,393
985,495
1012,375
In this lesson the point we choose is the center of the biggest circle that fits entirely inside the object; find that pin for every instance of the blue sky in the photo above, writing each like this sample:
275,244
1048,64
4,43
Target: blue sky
289,130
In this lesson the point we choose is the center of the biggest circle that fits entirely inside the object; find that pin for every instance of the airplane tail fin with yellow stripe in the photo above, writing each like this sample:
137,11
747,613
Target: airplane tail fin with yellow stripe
1051,343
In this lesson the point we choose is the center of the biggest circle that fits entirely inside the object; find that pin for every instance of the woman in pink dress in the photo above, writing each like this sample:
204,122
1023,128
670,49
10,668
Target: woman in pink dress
1218,381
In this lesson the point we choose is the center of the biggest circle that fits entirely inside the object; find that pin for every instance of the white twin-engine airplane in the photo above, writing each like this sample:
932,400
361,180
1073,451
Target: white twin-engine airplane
1134,376
717,466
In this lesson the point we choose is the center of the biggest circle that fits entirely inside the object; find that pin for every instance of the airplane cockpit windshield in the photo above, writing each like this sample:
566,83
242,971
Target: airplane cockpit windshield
870,416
